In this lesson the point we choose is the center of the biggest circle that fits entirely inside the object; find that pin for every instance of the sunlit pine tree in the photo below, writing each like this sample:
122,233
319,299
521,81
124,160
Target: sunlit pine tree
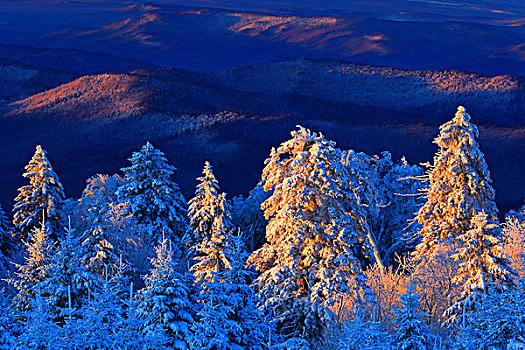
460,187
212,257
315,234
482,265
42,199
35,269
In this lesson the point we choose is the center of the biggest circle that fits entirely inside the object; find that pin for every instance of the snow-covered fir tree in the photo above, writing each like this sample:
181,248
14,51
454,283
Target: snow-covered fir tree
229,317
211,257
164,302
359,334
8,323
203,207
42,199
98,247
482,264
6,241
68,283
460,187
35,269
129,335
154,199
111,234
103,315
315,236
98,254
39,331
498,323
411,332
252,330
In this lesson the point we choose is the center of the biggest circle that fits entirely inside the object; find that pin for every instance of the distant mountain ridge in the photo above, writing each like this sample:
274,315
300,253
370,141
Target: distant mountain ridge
274,89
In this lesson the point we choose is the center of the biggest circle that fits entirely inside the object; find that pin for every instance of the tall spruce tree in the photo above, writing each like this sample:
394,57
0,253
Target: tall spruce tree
164,302
315,236
482,265
39,331
155,200
203,207
212,258
35,269
6,241
460,187
229,317
42,199
68,284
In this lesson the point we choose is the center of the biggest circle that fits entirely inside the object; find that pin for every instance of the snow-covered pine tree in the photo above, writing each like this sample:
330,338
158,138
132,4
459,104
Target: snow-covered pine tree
6,246
68,283
482,264
129,335
212,258
498,323
35,269
411,332
110,232
103,315
41,200
164,302
460,187
8,323
315,234
154,199
39,332
359,334
203,207
229,318
98,254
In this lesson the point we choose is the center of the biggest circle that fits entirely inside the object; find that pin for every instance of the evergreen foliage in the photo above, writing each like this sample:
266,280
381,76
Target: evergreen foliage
41,200
39,331
7,323
6,241
102,316
482,264
37,262
68,284
411,333
164,302
212,259
362,335
315,236
154,199
498,322
203,207
460,187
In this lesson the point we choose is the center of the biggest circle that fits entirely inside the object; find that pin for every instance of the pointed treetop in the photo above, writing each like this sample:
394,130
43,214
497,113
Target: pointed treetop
42,199
460,186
